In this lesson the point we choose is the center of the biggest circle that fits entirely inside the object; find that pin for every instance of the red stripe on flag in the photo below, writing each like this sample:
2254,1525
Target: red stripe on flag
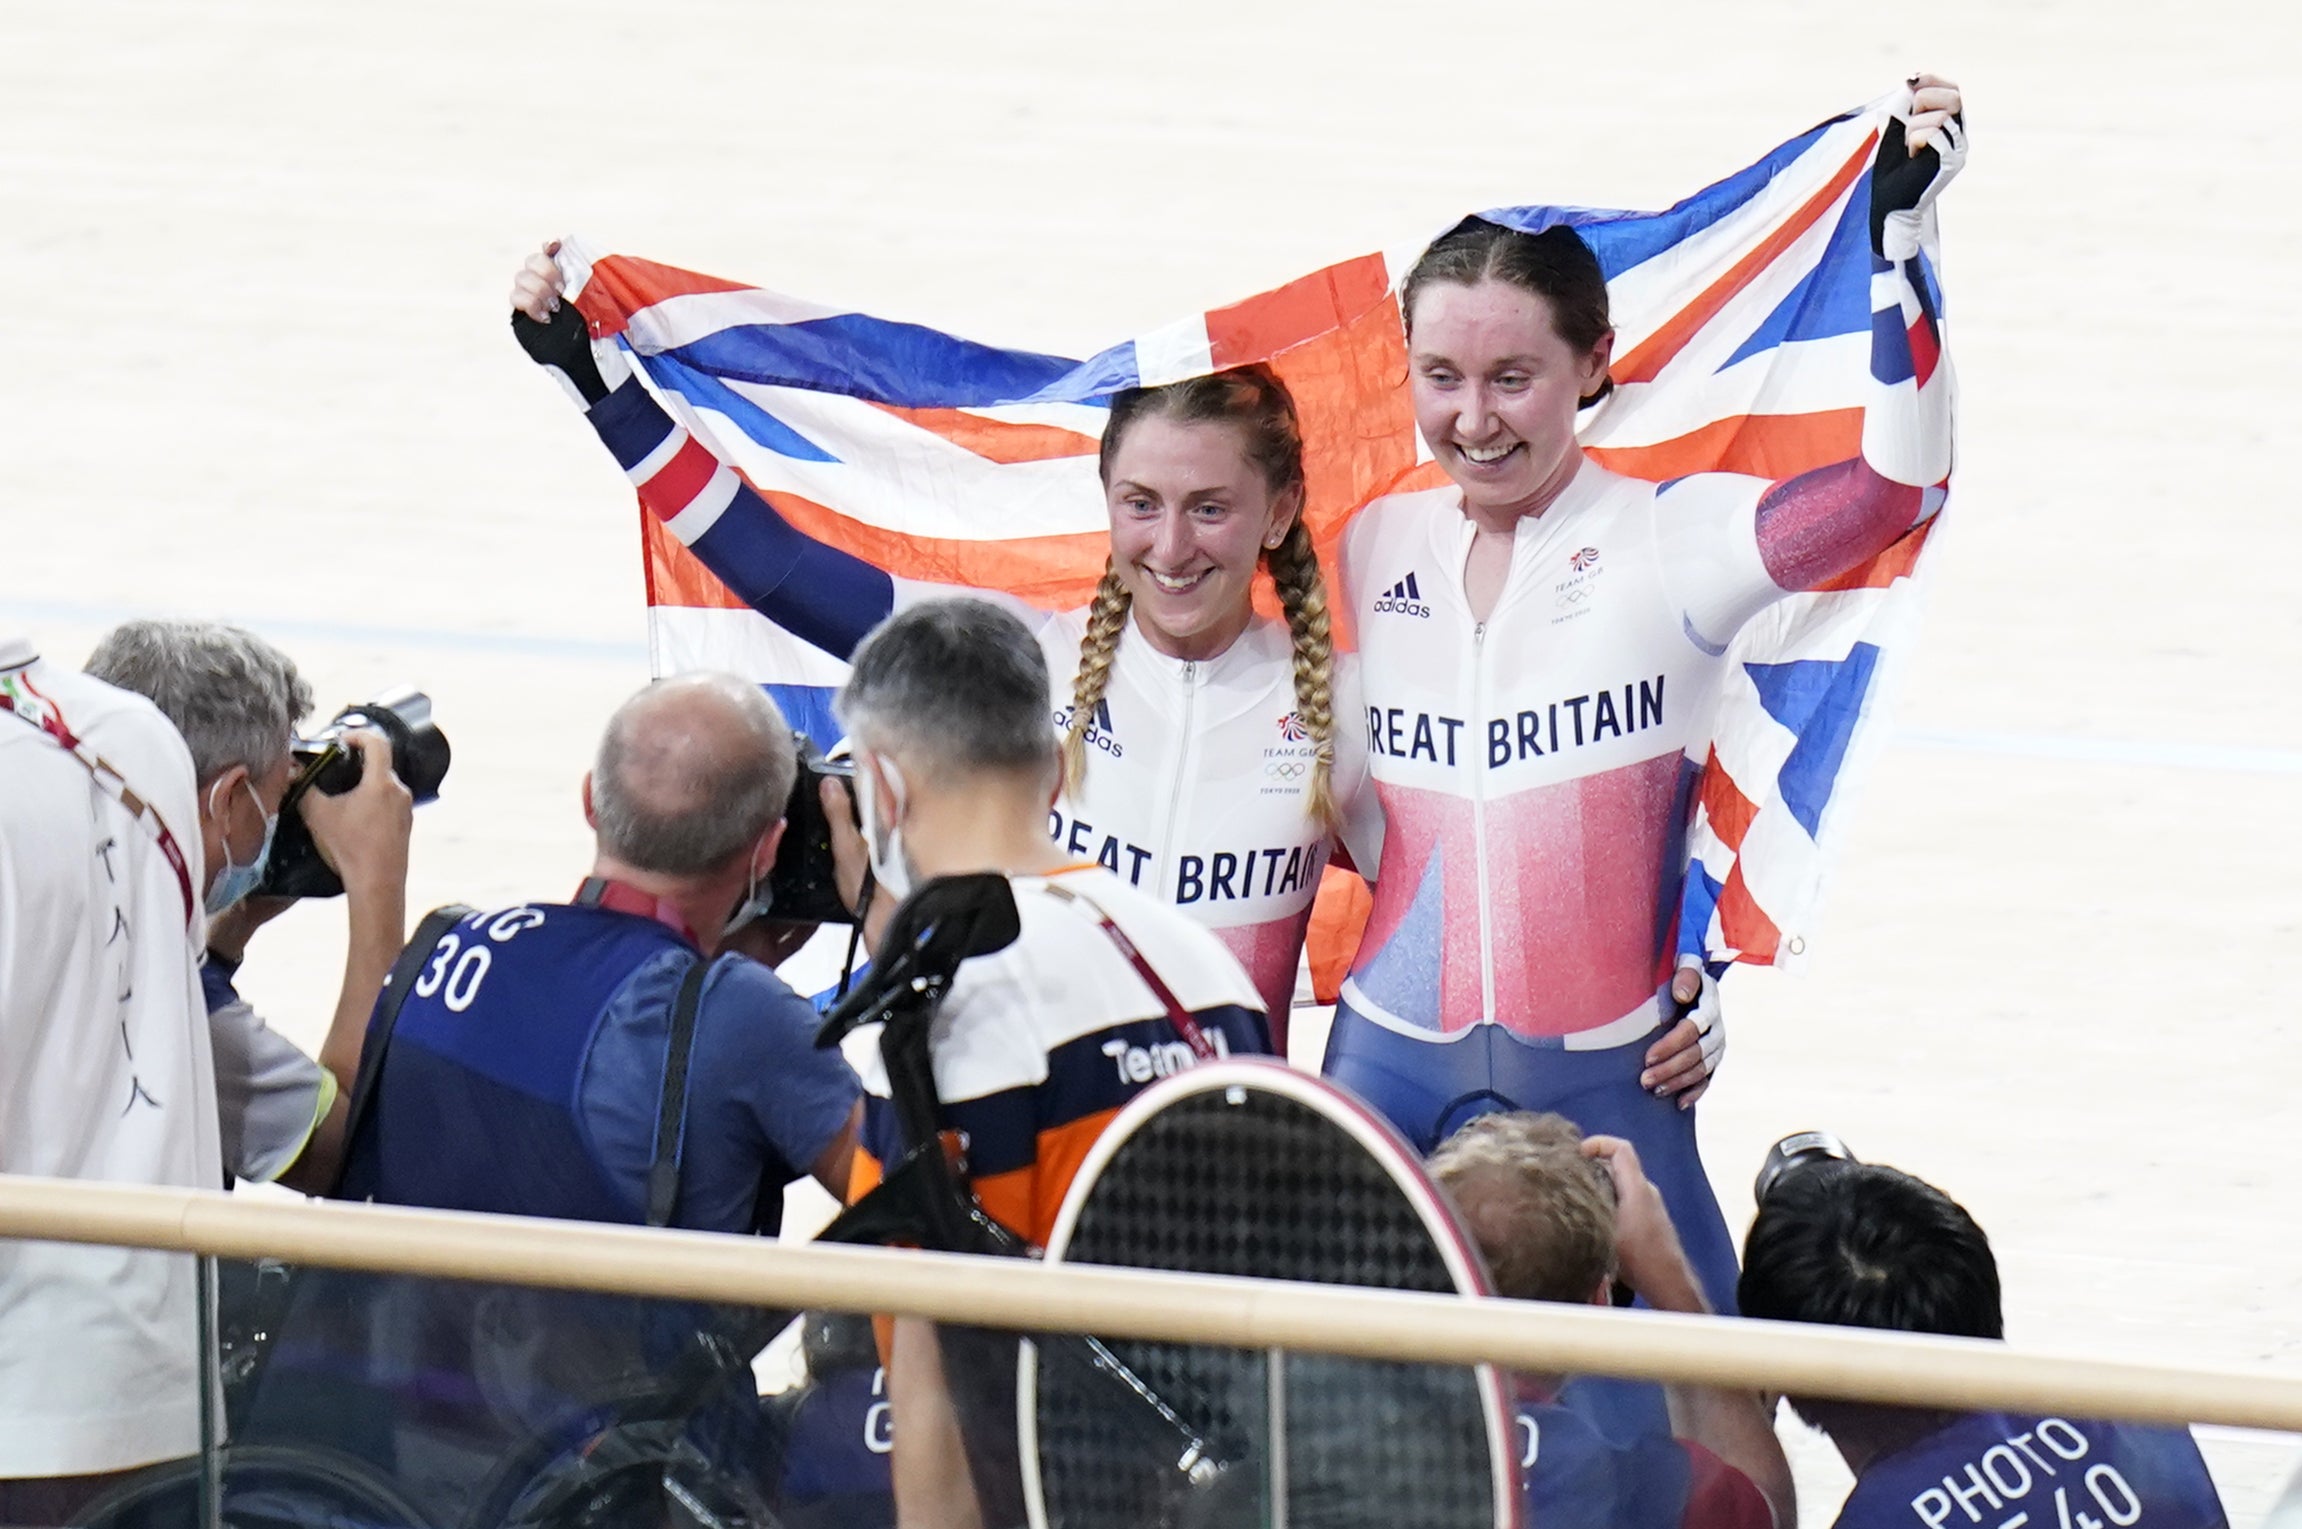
621,285
1773,446
1350,389
997,440
1730,812
1661,347
1053,572
1894,563
1318,304
1925,350
1743,925
1349,383
678,481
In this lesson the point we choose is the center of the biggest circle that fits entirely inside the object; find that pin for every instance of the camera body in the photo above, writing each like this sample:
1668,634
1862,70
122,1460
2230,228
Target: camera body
1795,1153
802,887
330,765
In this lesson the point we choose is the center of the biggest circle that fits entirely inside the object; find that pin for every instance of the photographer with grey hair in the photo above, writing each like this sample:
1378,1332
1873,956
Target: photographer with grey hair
523,1068
1103,990
236,699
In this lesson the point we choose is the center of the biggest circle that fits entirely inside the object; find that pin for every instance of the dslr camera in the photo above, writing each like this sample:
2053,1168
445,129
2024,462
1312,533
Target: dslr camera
330,765
1793,1155
801,887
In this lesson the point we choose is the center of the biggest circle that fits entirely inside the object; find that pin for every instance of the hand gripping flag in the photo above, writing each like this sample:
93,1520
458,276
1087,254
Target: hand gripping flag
1743,319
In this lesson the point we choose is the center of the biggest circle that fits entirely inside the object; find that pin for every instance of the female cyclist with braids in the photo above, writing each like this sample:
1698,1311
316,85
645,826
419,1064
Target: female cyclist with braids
1541,645
1202,757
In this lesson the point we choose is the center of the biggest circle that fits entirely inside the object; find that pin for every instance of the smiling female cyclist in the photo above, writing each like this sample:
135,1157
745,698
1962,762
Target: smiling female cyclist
1203,760
1541,647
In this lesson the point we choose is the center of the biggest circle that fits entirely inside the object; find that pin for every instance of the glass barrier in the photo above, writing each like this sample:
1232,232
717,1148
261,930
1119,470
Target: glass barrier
379,1401
103,1414
371,1401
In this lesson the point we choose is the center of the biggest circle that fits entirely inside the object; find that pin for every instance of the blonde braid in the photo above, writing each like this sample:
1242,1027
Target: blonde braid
1106,619
1294,566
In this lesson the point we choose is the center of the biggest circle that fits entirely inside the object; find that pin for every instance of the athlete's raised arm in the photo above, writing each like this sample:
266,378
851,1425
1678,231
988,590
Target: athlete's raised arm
821,594
1813,527
1819,524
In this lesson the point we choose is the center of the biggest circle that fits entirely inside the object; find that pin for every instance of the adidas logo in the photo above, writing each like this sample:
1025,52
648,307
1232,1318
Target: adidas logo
1099,730
1404,598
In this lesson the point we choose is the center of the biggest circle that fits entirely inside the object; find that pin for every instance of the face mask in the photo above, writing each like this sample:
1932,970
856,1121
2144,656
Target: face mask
887,862
756,904
235,880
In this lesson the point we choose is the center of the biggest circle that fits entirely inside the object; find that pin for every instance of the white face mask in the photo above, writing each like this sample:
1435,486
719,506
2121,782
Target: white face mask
758,901
885,845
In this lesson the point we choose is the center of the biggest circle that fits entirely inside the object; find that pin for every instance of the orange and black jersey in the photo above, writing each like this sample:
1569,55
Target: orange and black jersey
1040,1044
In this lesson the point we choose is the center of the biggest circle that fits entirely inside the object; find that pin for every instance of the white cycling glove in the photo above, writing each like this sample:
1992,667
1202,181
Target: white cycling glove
1709,1019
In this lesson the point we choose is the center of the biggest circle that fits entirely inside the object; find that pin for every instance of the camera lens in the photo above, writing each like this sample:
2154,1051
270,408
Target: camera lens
1795,1152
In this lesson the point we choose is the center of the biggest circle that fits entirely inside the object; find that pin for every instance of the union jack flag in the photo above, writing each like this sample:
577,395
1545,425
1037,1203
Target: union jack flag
1743,319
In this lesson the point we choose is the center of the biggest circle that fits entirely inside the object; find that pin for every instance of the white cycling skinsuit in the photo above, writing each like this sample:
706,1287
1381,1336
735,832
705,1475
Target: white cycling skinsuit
1536,770
1198,773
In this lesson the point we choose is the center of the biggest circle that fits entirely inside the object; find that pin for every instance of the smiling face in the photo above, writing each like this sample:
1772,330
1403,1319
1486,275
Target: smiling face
1191,516
1496,389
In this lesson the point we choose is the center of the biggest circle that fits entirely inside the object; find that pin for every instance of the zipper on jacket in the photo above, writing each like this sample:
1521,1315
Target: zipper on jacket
1479,822
1182,775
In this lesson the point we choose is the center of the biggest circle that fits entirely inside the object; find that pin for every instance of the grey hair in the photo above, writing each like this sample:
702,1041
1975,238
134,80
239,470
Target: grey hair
959,684
233,696
691,771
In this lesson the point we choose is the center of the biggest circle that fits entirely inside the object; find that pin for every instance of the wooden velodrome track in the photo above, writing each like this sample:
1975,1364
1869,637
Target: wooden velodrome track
255,256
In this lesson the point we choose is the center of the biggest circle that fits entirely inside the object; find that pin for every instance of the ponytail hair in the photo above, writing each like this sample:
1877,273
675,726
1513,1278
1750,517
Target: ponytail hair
1254,399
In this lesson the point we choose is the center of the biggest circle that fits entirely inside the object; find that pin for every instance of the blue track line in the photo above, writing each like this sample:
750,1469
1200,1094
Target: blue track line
2205,757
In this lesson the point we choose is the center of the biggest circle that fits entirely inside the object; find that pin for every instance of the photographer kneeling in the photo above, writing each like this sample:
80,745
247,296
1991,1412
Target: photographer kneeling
236,699
1855,1244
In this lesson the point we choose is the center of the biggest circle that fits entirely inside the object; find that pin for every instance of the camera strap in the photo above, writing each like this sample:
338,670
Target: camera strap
1178,1016
671,1108
679,1045
389,1002
20,700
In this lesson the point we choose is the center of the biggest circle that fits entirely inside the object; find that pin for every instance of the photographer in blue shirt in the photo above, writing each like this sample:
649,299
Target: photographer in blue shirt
524,1073
1856,1244
599,1059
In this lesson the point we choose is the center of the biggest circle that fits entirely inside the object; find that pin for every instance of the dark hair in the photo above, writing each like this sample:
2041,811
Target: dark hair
1251,397
1860,1245
1554,265
958,682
